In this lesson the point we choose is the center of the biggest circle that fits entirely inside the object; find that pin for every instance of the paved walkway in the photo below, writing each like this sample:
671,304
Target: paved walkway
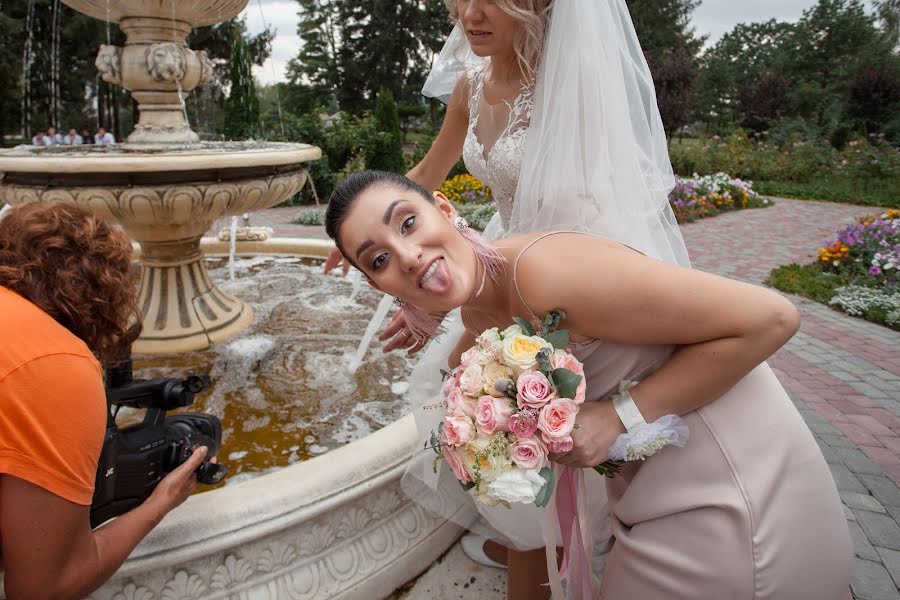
843,374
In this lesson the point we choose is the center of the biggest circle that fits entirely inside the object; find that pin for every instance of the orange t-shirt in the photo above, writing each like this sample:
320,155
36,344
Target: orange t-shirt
52,402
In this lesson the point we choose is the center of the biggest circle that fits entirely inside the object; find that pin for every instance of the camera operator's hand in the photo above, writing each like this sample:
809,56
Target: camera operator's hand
180,483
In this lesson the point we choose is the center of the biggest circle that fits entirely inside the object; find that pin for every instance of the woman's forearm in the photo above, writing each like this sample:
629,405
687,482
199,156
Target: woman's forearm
112,545
697,374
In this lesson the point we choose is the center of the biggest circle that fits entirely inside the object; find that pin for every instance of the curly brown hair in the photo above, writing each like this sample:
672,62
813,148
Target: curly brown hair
75,267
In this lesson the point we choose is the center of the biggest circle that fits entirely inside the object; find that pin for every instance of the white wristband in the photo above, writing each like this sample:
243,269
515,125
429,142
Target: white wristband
625,407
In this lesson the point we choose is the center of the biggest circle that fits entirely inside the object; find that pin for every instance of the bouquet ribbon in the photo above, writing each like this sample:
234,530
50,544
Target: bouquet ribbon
577,544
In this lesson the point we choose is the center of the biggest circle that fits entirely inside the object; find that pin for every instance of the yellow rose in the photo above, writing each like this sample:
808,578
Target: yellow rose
519,351
493,372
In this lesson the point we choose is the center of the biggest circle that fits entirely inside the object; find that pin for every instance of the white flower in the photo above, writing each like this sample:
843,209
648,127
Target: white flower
511,330
516,485
489,336
647,439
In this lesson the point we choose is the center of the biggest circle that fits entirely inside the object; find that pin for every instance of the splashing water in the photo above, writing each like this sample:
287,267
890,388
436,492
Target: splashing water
371,329
232,248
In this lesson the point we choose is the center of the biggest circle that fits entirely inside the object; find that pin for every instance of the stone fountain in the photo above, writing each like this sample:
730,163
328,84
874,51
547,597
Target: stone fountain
164,187
334,526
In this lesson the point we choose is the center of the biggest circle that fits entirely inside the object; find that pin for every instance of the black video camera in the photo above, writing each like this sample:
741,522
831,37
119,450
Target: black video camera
134,459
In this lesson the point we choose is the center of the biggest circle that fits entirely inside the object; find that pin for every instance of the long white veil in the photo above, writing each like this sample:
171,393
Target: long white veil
596,157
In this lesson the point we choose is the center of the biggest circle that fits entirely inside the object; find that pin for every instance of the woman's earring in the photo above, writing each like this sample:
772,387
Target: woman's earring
399,302
460,223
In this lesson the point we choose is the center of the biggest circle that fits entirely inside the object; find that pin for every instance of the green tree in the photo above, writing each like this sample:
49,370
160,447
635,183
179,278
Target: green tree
242,106
734,66
671,48
888,12
383,149
314,74
827,46
874,96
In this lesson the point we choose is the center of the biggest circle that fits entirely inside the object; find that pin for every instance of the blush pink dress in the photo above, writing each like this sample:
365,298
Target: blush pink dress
747,510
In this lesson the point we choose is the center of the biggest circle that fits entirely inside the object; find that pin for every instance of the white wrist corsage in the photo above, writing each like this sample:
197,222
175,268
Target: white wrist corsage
643,439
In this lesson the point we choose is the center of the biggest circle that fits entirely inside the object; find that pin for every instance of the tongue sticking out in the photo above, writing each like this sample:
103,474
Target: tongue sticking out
439,281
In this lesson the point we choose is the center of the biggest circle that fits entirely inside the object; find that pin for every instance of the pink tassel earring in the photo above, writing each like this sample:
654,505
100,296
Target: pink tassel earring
422,326
490,258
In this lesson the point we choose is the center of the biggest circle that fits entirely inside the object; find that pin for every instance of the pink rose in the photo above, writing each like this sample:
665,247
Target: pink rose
493,414
561,447
450,383
534,389
458,428
456,465
470,357
455,400
470,381
561,360
524,422
557,419
528,453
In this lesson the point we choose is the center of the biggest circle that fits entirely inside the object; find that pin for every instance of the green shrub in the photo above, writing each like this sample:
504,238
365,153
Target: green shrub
309,216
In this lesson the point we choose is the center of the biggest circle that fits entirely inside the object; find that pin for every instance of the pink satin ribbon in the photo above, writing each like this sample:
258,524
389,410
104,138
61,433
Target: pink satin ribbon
576,563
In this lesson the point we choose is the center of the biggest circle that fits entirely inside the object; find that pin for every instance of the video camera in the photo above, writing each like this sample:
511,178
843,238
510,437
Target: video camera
134,459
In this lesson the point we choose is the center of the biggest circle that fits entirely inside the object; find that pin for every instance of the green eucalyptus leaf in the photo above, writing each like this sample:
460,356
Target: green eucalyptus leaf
559,339
524,324
543,496
566,382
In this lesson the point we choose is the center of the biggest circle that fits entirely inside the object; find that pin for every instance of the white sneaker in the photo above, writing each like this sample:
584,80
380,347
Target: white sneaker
473,546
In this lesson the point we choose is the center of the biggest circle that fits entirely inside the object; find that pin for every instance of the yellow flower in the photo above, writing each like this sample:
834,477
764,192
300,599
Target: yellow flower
519,351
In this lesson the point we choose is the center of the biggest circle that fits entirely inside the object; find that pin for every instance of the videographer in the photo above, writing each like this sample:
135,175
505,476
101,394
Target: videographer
66,299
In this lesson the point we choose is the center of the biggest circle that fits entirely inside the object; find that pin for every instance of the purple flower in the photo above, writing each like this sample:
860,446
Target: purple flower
874,271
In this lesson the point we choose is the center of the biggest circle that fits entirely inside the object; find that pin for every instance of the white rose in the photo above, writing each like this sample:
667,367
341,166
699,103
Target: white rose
511,330
488,336
516,485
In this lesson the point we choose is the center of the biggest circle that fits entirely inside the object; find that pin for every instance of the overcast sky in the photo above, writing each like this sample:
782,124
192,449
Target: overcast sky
712,18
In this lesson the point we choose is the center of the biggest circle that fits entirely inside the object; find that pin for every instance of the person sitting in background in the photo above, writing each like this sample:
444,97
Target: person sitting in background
53,137
86,136
39,139
66,295
72,138
103,137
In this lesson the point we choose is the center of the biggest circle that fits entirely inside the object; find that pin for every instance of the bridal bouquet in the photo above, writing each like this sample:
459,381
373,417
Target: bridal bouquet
510,403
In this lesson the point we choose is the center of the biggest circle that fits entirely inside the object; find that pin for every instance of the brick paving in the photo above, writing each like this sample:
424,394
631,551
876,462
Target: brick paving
842,373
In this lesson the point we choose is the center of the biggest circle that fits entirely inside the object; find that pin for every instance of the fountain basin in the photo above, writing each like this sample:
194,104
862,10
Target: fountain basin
166,201
336,526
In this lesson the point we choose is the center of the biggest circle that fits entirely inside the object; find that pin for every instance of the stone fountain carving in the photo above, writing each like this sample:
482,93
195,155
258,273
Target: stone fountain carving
165,190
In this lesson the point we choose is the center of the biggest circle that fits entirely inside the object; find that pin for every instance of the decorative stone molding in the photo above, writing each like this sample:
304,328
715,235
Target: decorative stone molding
109,64
246,234
166,62
206,68
182,309
337,527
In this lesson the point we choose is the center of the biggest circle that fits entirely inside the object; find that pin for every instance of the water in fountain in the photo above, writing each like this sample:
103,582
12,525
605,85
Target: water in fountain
281,388
265,25
181,101
232,247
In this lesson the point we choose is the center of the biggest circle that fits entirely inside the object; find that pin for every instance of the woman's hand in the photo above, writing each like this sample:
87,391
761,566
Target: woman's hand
334,259
596,428
180,483
402,337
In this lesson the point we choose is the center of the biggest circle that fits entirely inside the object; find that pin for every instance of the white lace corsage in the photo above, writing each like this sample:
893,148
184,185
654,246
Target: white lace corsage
643,439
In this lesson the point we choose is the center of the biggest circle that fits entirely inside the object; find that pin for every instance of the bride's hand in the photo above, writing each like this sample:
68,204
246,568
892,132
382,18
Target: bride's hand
402,338
334,259
596,428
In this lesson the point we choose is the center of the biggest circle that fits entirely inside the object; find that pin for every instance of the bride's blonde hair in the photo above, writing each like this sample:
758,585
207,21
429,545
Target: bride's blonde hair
533,17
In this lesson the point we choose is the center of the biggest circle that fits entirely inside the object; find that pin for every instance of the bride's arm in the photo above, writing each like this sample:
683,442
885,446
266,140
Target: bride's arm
724,328
448,145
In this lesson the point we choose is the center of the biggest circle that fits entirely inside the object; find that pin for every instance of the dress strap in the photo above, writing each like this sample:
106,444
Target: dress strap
515,273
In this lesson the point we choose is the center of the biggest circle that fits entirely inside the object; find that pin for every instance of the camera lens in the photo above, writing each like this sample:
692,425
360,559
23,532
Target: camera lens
211,473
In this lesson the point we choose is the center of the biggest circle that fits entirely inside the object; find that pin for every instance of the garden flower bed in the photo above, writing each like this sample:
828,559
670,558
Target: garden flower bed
858,272
692,198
